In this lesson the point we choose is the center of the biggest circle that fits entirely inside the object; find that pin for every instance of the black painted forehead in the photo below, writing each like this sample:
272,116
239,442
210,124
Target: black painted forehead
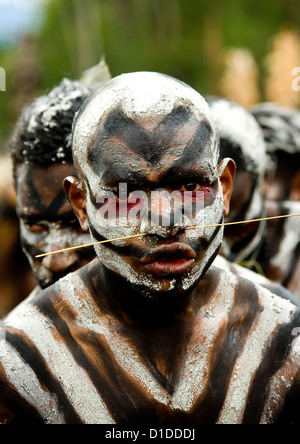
40,194
138,121
123,146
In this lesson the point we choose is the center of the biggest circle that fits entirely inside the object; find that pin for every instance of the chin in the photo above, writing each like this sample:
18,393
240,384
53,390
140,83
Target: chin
167,290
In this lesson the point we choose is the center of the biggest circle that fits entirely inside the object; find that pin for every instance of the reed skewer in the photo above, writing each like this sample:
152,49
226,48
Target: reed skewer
227,224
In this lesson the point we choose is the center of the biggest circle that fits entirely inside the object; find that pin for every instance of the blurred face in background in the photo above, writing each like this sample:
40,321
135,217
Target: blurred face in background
242,140
48,223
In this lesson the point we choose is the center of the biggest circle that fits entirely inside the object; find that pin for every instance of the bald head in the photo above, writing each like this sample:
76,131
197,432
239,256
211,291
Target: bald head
153,134
239,130
150,119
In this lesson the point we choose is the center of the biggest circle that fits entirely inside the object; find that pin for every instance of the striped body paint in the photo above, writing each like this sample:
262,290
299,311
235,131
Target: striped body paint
259,279
283,236
64,358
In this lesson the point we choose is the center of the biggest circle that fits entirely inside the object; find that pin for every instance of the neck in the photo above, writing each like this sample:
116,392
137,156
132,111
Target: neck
125,301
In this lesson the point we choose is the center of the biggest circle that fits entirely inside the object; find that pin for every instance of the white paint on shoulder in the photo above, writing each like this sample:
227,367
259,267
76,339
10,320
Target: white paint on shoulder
74,380
276,311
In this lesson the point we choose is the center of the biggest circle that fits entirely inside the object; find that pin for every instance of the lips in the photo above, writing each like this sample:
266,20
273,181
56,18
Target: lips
173,259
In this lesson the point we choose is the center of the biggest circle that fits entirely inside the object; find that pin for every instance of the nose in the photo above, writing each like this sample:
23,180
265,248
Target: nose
163,220
59,263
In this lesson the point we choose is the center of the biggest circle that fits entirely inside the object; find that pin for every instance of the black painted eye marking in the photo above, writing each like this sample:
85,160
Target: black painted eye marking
55,206
36,228
121,138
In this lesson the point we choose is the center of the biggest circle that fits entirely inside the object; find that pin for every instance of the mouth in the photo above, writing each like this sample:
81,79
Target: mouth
169,260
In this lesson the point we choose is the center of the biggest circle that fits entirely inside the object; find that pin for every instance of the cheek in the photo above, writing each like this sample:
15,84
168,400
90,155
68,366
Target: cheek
116,208
112,227
211,214
212,237
32,248
114,262
31,243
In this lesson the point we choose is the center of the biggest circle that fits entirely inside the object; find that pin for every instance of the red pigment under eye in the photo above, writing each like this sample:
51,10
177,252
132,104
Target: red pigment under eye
206,195
123,207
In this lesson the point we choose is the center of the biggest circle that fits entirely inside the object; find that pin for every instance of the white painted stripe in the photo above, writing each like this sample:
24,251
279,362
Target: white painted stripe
193,380
251,358
74,380
22,377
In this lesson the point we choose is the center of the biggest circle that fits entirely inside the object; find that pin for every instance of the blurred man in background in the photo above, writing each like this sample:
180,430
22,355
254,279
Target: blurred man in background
16,278
242,140
281,128
42,158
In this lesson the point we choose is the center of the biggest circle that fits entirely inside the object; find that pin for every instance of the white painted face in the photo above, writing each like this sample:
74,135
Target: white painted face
152,133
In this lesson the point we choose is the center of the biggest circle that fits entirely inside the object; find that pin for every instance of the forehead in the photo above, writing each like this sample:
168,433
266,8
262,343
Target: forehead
39,190
142,150
142,125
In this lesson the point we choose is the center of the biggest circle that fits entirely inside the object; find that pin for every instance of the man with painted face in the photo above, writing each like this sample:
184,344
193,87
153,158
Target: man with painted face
42,157
149,332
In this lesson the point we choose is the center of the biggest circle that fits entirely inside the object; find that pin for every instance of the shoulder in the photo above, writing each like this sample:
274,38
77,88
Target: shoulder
15,406
26,343
37,340
264,282
251,283
70,293
269,353
273,317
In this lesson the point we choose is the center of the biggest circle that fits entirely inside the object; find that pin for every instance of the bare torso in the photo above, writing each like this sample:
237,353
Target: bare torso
230,357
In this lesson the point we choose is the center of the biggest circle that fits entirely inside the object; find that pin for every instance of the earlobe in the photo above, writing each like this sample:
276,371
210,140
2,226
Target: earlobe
227,170
76,193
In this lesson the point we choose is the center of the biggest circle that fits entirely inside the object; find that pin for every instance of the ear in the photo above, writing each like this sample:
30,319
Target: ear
227,170
295,192
76,193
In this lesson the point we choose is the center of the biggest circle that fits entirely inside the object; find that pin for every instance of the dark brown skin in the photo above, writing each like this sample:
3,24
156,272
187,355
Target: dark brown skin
167,342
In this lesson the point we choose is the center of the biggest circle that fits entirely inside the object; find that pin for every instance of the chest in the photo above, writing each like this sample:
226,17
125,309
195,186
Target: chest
109,379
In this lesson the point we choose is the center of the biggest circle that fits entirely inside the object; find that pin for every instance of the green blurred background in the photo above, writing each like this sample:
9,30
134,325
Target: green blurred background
243,49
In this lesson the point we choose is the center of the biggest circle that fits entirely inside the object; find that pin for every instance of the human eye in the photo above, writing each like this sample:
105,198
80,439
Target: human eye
36,228
196,192
192,187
